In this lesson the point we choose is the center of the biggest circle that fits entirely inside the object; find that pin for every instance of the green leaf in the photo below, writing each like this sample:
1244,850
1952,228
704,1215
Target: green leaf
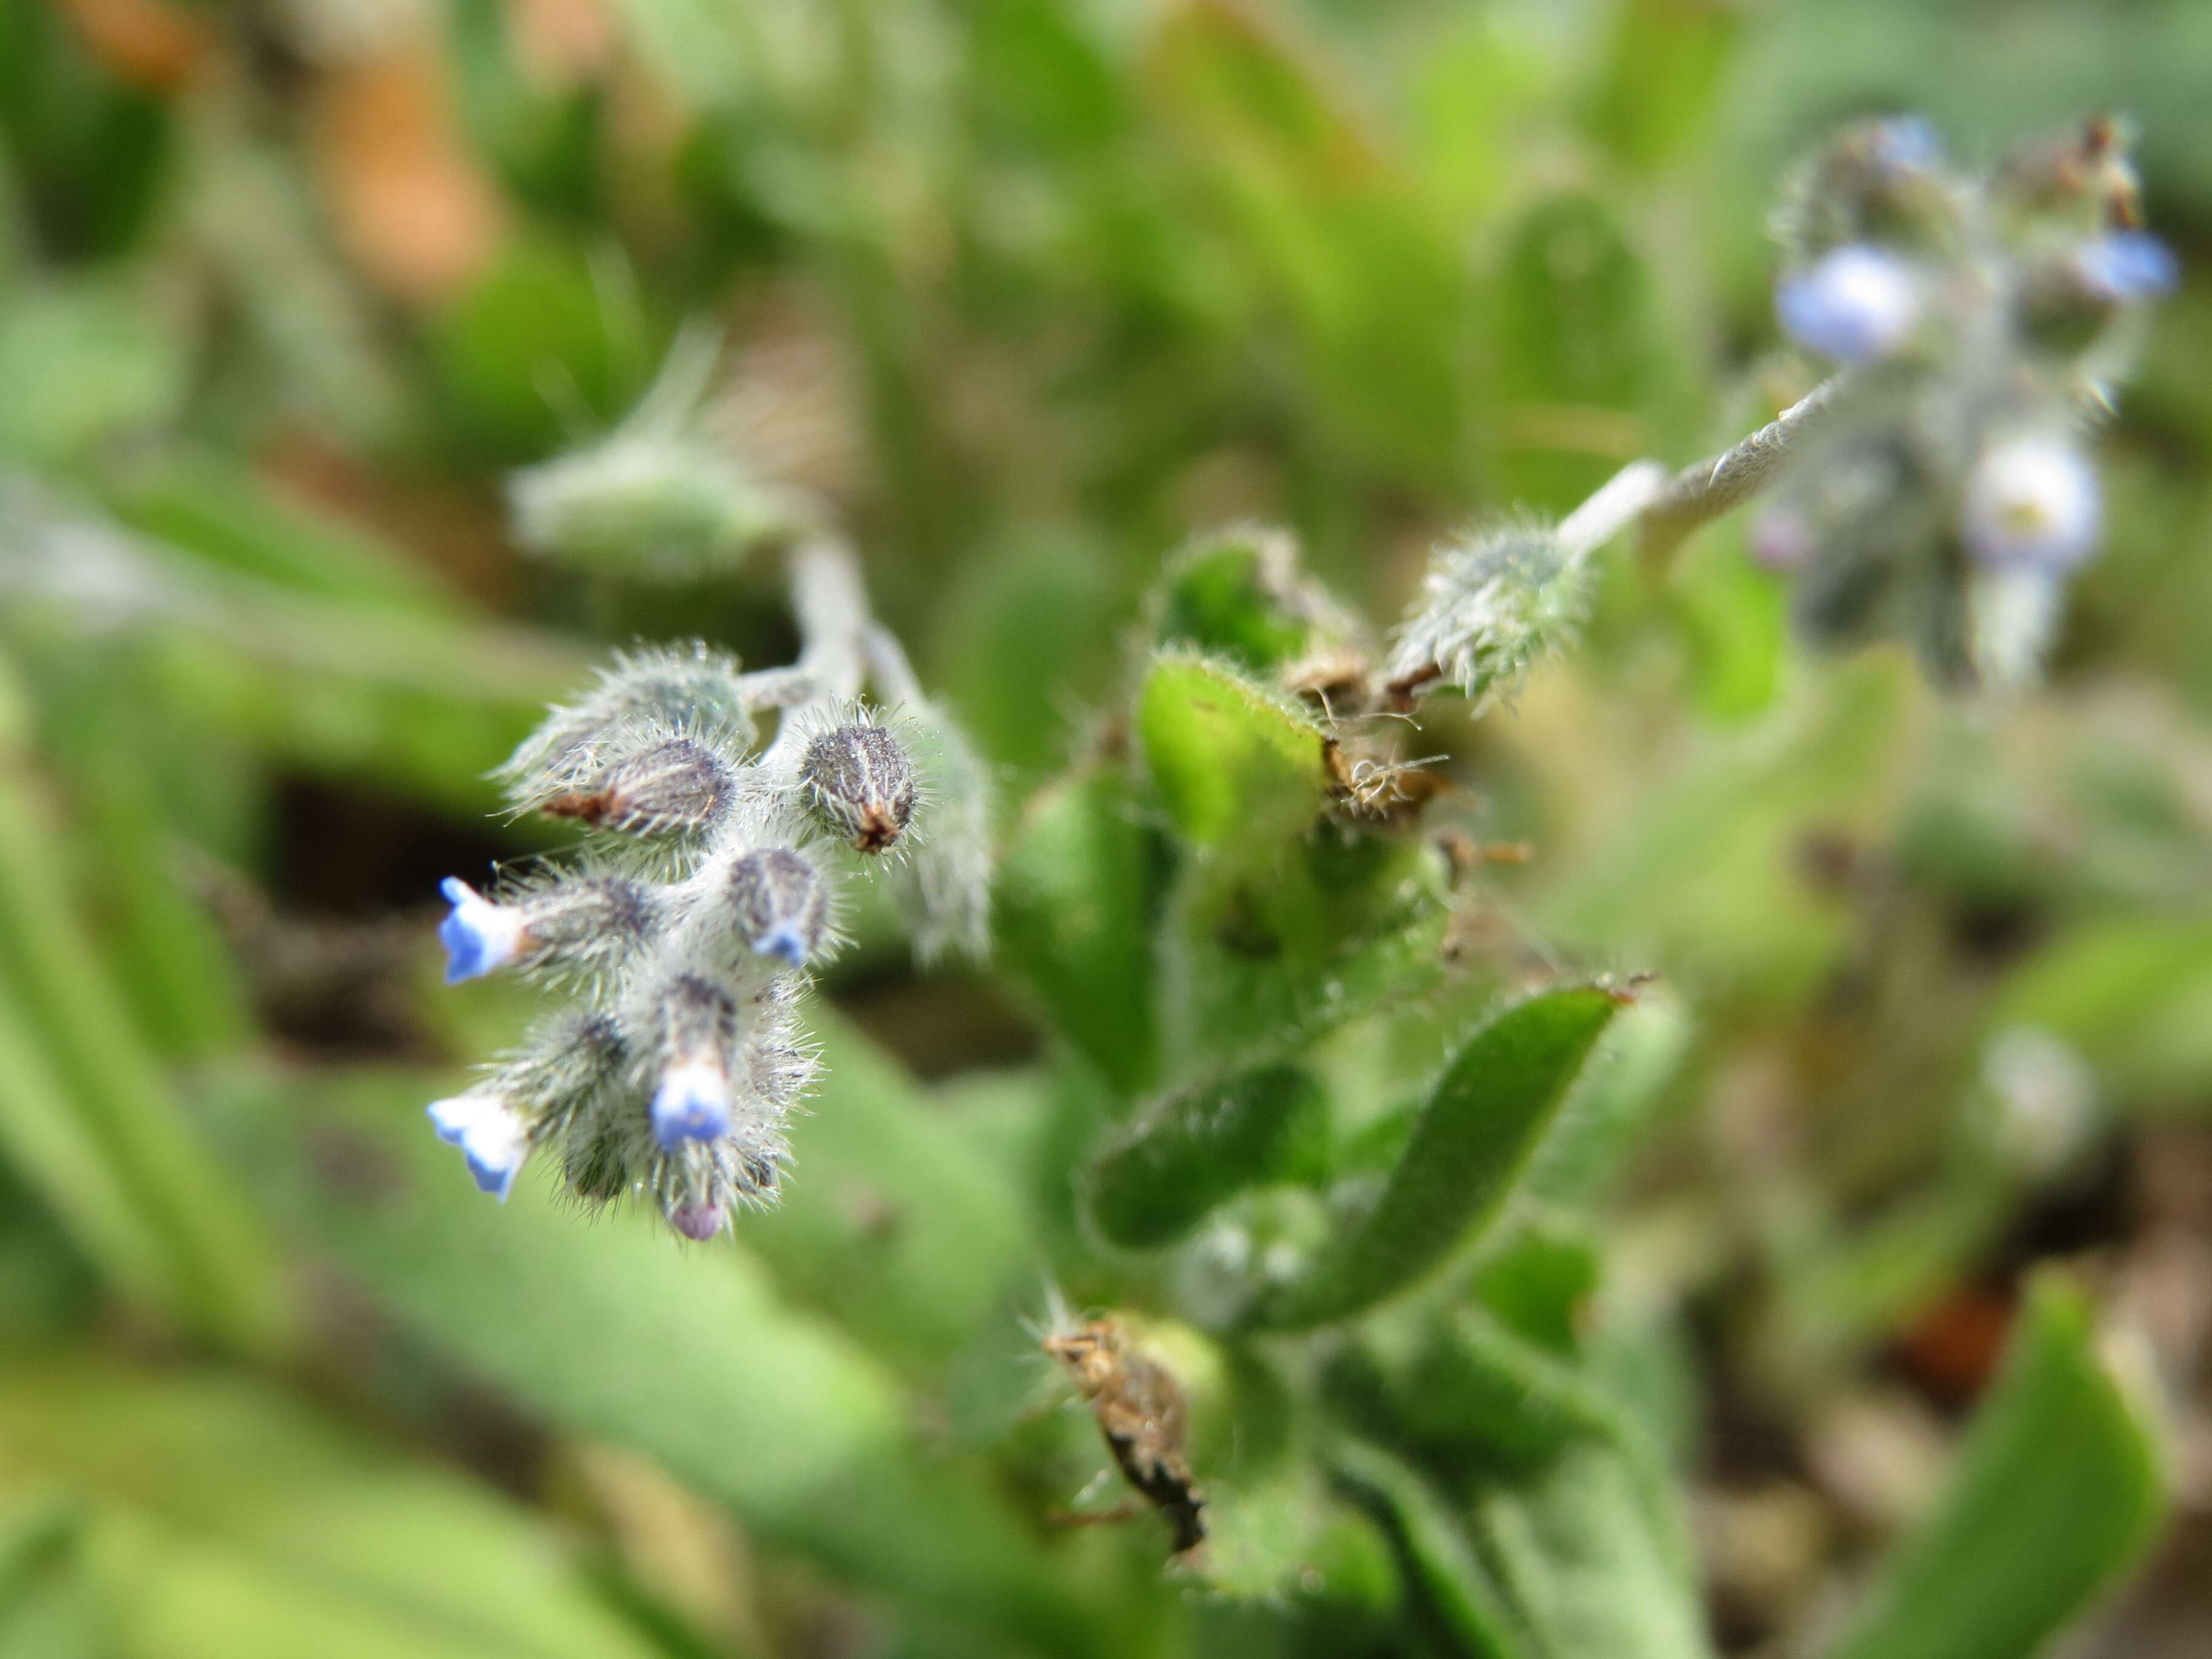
1194,1149
1663,64
221,1517
1232,596
898,1228
81,363
1330,230
95,1095
1627,1077
610,1326
1482,1123
1274,943
223,513
1074,906
1234,764
1580,349
2057,1492
1588,1569
2132,995
1476,1387
1440,1562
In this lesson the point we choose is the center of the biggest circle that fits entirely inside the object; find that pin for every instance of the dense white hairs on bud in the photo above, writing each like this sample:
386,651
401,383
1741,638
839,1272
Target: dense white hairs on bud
691,689
944,885
1492,604
659,497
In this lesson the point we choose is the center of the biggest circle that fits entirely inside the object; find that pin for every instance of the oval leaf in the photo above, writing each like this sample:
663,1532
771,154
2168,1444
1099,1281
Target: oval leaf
1193,1149
2057,1493
1482,1123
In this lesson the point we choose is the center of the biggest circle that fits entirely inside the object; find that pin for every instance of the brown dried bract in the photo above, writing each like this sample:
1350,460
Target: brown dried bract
1334,676
1140,1408
1379,792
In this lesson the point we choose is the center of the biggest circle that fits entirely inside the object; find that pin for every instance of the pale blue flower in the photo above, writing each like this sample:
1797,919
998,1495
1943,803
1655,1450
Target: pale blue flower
491,1135
1855,304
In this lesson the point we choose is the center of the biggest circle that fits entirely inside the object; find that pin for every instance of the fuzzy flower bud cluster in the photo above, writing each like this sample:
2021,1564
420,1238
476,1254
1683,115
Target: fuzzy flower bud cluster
682,935
1494,604
660,496
1983,322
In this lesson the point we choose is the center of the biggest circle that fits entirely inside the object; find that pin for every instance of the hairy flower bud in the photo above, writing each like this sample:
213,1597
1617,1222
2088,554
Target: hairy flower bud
692,1101
675,783
688,690
698,1222
859,784
491,1134
1491,606
1856,304
781,902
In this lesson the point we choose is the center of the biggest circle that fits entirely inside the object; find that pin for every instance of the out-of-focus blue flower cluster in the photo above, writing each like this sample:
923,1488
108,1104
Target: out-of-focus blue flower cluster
1983,322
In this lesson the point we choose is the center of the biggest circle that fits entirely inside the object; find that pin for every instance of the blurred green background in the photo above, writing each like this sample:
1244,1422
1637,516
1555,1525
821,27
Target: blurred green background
1031,290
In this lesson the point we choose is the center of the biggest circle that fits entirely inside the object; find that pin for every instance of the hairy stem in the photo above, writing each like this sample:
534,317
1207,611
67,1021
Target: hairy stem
830,603
1668,507
1705,489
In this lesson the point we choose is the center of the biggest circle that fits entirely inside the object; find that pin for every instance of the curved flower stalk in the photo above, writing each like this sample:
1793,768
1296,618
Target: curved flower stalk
684,934
1938,487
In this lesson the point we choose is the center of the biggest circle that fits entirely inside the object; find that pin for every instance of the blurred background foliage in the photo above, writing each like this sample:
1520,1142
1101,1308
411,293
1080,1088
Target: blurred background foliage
1031,290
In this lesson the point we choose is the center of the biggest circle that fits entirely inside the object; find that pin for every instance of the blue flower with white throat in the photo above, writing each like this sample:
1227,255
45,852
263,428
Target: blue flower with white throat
691,1104
478,935
491,1135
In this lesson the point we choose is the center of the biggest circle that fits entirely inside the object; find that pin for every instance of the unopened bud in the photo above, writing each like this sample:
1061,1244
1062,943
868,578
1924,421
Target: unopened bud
676,785
698,1222
781,902
1491,606
860,782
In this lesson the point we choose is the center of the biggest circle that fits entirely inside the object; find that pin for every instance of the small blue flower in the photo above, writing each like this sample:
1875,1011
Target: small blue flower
1906,143
491,1135
2033,503
691,1104
2128,265
479,935
1854,304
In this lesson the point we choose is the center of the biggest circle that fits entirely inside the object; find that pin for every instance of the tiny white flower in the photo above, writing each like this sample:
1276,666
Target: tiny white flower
2033,501
491,1135
1855,304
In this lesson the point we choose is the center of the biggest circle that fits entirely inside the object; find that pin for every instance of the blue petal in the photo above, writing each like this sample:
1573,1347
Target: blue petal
492,1178
2130,265
686,1106
449,1129
467,954
785,942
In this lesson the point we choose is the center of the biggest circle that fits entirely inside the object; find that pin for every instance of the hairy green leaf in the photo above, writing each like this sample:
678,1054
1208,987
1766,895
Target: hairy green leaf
1194,1149
1072,906
1476,1133
2057,1492
1236,765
